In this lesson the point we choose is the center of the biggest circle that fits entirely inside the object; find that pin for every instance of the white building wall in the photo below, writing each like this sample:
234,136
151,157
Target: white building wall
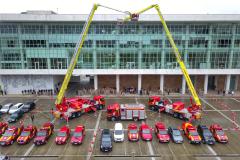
13,84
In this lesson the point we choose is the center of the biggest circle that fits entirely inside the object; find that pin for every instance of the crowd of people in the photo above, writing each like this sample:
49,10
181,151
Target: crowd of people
39,92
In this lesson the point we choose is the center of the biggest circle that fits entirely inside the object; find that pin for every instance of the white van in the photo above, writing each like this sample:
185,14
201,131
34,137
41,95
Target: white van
118,134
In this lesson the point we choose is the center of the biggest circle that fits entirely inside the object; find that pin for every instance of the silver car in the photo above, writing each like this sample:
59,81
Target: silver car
6,108
15,108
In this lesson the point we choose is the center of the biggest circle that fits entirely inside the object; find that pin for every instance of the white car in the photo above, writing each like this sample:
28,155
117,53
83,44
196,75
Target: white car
118,134
15,108
6,108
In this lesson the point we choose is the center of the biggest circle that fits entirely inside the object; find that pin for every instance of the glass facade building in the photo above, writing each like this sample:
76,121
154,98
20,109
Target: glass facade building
48,44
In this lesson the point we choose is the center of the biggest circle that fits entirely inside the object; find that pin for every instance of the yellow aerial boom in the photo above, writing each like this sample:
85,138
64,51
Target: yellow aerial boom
129,17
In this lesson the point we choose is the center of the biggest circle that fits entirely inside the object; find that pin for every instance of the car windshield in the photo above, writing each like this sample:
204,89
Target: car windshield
207,133
77,134
118,132
193,133
220,132
133,131
5,107
14,107
163,132
146,131
176,133
42,133
24,134
61,134
7,134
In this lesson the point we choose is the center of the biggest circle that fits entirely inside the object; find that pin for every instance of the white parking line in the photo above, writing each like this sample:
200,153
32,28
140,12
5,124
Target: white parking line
236,100
28,151
150,150
222,110
35,101
174,156
136,100
94,133
221,113
213,152
169,99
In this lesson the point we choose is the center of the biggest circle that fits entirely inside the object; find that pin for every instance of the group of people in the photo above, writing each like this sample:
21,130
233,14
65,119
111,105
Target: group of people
38,92
3,92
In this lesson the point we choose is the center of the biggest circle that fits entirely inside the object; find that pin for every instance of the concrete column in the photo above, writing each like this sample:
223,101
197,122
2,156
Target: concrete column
206,84
183,85
139,83
227,83
95,82
216,82
236,83
161,83
117,83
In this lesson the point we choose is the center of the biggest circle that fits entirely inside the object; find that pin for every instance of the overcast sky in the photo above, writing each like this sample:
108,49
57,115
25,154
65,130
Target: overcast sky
84,6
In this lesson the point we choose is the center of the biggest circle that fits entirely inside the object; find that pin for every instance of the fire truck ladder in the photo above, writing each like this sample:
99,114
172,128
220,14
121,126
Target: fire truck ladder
174,47
77,51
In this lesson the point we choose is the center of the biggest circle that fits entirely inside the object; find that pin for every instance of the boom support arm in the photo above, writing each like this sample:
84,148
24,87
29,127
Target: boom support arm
75,56
175,49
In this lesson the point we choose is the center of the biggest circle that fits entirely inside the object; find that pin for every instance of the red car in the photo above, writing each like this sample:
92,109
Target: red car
44,134
3,127
27,134
191,132
78,135
161,132
218,133
63,135
10,135
145,132
133,134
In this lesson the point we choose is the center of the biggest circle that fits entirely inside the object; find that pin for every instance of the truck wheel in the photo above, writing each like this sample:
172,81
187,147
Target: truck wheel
113,119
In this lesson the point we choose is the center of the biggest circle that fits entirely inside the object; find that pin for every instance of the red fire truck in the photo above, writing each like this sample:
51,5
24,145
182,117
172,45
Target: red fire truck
126,112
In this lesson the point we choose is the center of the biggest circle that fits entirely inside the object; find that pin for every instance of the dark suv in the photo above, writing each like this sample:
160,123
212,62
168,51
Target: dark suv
205,134
106,141
28,106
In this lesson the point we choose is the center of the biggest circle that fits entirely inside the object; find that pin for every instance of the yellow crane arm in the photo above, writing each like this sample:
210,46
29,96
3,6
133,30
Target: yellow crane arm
75,55
175,49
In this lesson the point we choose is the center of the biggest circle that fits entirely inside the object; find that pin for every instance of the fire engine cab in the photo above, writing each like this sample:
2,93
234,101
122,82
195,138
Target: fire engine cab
126,112
191,132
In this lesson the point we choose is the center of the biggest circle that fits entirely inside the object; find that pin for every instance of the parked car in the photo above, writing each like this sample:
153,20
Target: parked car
6,108
118,133
175,135
3,127
4,157
63,135
78,135
10,135
205,134
145,132
15,116
161,132
43,134
133,134
27,134
28,106
106,141
15,108
218,133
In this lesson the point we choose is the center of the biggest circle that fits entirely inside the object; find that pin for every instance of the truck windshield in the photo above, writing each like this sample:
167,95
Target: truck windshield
42,133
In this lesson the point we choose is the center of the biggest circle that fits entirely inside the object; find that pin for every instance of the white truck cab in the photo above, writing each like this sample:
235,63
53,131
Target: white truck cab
118,134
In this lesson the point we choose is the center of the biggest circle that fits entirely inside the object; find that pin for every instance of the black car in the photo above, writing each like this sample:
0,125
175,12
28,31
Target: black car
4,157
28,106
175,135
15,116
205,134
106,141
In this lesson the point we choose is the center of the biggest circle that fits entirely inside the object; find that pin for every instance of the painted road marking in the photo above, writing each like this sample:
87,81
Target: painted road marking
169,99
222,110
136,100
236,100
94,133
150,150
174,156
213,152
220,113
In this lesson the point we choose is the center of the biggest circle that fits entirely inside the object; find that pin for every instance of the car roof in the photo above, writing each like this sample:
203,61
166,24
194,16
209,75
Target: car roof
8,104
18,104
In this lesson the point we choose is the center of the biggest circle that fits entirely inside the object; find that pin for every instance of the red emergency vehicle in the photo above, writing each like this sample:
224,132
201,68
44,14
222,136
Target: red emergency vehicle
27,134
10,135
145,132
44,133
78,135
161,132
133,134
63,135
126,112
3,127
218,133
191,132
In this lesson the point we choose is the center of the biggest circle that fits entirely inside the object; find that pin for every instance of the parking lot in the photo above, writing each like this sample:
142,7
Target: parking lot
222,110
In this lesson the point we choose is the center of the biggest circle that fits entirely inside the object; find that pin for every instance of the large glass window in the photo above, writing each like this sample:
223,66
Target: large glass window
105,43
177,28
34,43
152,29
151,60
222,29
106,60
105,29
129,60
58,63
219,60
198,42
37,63
8,29
129,29
197,59
85,60
199,29
32,29
236,60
